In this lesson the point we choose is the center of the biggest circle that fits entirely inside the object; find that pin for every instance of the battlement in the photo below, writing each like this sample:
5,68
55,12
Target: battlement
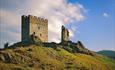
34,25
38,19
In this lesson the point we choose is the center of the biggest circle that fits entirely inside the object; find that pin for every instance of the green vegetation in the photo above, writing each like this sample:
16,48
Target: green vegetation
108,53
46,58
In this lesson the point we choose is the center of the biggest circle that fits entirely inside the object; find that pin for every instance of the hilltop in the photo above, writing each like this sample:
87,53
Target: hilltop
53,56
108,53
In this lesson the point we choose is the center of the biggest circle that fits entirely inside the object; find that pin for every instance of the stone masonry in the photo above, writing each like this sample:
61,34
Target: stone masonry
33,26
64,34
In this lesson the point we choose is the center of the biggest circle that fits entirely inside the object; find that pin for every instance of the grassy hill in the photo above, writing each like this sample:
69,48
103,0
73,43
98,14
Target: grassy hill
108,53
35,57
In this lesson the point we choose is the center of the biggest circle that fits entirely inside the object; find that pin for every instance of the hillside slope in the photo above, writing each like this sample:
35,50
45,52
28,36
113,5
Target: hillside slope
46,58
108,53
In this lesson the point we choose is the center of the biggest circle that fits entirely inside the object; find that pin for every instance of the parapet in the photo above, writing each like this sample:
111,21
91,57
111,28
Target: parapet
24,16
35,18
38,18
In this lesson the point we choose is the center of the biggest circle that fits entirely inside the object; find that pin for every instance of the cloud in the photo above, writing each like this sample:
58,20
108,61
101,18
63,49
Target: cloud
58,13
9,18
10,37
71,33
9,27
106,15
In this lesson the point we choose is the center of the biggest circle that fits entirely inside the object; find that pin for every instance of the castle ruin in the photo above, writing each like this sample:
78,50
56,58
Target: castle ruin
37,28
34,27
64,34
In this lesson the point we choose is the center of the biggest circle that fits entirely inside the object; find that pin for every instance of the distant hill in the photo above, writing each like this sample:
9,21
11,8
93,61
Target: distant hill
52,56
108,53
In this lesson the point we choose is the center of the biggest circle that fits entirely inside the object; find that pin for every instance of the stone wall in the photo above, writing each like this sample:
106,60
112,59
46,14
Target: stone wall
34,25
25,29
64,34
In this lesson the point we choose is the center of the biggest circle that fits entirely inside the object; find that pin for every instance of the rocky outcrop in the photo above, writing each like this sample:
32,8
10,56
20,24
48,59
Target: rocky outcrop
67,45
5,57
67,56
76,48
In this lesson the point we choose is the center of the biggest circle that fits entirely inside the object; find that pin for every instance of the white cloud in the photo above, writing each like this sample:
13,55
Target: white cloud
106,15
71,33
9,27
58,13
9,19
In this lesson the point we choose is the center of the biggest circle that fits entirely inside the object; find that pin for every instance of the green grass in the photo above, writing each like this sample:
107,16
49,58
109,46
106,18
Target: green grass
45,58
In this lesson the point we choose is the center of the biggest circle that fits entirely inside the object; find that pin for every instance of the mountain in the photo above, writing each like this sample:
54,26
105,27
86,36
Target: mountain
108,53
53,56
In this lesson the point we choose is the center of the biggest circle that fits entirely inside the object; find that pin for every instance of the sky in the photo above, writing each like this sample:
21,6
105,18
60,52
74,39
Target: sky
90,21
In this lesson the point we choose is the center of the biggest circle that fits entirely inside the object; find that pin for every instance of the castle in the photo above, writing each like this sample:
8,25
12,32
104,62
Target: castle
37,28
35,31
34,27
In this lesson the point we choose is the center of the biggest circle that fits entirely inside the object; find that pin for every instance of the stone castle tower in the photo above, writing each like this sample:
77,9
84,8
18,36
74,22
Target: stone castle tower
34,26
64,34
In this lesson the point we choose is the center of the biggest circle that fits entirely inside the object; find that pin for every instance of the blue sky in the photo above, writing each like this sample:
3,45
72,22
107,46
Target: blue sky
90,21
97,31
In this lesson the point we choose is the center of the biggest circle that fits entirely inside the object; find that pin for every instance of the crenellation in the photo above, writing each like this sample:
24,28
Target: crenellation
24,17
35,25
46,20
38,19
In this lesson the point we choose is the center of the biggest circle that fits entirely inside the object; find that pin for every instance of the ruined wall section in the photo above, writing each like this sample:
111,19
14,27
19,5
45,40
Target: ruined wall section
64,34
